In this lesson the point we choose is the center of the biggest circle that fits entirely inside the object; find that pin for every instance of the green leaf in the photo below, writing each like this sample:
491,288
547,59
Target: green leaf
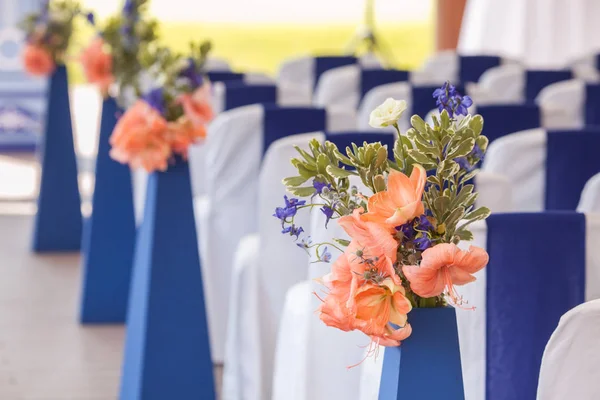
294,181
468,175
304,154
302,191
451,168
382,155
441,205
322,163
476,124
453,218
418,123
420,157
445,120
343,242
478,214
304,171
338,172
464,193
462,149
464,234
379,183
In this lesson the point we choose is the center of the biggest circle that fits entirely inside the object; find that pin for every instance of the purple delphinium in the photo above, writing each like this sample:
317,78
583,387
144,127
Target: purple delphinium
128,7
191,73
91,18
293,230
156,100
423,223
407,230
448,98
319,186
325,256
290,209
328,211
422,243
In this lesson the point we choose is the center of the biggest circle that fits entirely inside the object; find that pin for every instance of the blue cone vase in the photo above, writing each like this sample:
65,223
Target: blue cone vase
58,222
427,364
167,351
109,234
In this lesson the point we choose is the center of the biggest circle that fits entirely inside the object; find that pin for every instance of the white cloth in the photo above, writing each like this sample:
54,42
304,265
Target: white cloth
527,176
472,324
437,69
339,88
215,64
267,265
562,105
571,362
495,192
590,196
504,84
539,33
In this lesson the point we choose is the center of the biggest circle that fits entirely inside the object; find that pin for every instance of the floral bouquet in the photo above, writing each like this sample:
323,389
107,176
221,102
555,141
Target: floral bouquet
402,253
170,115
48,34
114,54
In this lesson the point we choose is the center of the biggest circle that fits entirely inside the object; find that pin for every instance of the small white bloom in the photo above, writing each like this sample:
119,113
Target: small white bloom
387,114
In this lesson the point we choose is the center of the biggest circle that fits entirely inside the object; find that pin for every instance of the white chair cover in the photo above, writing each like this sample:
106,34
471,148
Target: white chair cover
495,192
504,84
585,68
590,196
571,363
562,105
267,264
527,176
296,75
339,88
215,64
437,69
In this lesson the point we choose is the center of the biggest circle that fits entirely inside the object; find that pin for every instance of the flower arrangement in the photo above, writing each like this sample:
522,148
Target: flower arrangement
48,34
170,115
113,56
402,253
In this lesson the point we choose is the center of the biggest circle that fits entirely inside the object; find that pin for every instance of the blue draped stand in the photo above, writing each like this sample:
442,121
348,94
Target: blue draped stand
109,234
58,222
427,364
167,351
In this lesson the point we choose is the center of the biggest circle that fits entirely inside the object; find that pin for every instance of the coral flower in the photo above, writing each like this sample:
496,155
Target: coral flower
334,310
444,266
140,139
401,202
97,65
38,61
182,133
197,107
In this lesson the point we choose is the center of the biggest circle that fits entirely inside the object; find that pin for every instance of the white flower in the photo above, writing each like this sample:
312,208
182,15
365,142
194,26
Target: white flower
387,114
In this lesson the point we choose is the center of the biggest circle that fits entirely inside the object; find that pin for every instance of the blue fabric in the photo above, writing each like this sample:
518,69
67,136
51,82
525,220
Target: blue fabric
238,94
597,61
109,234
423,101
572,159
167,352
536,273
225,76
472,67
324,64
280,122
371,78
58,222
427,364
535,81
592,105
502,120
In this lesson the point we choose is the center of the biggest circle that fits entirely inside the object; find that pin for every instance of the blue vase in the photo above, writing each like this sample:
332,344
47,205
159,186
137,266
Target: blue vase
427,364
58,221
109,234
167,351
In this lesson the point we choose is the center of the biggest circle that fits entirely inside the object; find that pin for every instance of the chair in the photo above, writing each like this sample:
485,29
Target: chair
267,263
571,362
589,202
500,120
235,145
536,80
472,67
552,167
504,84
502,341
570,104
217,65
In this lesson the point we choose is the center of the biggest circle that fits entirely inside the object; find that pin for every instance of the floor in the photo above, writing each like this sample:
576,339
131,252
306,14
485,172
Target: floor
44,353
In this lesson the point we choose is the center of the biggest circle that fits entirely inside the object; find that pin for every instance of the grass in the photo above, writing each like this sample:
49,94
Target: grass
261,48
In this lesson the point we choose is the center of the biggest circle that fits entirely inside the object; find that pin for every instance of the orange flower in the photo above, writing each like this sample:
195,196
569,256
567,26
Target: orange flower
140,139
334,310
182,133
37,60
444,266
196,106
401,202
97,65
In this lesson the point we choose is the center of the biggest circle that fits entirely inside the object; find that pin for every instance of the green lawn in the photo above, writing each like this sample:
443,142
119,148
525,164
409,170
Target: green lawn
263,47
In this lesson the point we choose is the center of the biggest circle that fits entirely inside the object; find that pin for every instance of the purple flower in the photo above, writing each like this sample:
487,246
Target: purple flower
325,256
156,100
328,211
293,202
319,186
477,152
293,230
128,7
407,229
191,73
290,209
423,224
464,163
91,19
304,243
422,243
462,105
448,98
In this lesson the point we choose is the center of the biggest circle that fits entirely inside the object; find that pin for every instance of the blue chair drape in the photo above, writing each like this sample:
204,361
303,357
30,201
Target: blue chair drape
536,273
225,76
423,101
371,78
535,81
572,159
238,94
501,120
325,63
280,122
592,105
472,67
